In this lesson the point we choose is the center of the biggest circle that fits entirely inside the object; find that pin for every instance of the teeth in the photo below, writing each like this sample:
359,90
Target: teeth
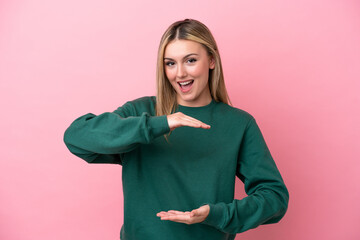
185,83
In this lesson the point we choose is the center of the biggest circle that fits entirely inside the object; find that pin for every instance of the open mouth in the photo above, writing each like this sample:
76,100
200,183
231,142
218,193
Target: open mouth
185,86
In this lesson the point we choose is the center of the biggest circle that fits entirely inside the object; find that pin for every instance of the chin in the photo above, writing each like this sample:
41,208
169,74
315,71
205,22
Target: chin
189,99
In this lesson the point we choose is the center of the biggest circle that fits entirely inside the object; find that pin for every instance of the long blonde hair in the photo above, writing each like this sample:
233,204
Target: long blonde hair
188,29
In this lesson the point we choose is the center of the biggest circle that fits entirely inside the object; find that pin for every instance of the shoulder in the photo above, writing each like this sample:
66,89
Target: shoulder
139,105
146,100
239,119
233,112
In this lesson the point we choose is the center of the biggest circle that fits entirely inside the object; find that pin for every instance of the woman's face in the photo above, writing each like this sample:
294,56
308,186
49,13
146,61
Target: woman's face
187,67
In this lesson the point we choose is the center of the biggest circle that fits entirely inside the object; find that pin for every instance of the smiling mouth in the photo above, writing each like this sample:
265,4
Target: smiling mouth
185,86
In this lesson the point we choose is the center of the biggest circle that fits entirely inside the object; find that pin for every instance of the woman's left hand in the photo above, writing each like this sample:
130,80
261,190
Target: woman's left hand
195,216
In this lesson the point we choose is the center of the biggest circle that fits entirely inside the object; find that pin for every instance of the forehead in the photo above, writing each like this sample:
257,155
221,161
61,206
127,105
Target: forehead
179,48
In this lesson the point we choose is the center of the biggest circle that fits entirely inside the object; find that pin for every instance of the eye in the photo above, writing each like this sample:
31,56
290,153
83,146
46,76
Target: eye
191,60
169,63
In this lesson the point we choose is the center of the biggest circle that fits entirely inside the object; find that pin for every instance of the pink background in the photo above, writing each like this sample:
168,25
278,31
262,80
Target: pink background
294,65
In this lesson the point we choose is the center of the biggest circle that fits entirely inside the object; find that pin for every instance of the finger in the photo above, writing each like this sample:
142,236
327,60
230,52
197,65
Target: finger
198,125
179,119
164,214
170,213
160,214
193,119
184,116
193,213
195,123
174,211
184,218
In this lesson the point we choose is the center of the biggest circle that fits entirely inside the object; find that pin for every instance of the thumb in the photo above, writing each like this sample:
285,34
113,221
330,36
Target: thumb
193,213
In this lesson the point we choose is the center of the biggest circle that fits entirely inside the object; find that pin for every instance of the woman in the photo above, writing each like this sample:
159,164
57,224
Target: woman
181,185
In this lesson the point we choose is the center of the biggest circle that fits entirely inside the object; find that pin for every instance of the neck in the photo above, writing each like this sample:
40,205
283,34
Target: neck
203,100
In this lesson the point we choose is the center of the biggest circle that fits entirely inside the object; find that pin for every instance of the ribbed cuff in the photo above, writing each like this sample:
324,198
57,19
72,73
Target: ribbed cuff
158,125
214,216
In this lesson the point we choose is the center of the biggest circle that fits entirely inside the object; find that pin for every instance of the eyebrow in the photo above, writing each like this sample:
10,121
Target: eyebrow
188,55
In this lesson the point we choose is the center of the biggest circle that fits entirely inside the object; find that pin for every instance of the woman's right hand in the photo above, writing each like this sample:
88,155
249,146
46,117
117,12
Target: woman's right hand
179,119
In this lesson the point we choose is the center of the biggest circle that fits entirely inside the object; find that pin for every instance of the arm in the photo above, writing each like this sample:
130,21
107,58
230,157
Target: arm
267,198
267,195
100,139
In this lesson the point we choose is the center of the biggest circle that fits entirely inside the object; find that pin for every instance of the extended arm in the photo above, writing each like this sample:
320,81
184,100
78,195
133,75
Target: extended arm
100,139
103,138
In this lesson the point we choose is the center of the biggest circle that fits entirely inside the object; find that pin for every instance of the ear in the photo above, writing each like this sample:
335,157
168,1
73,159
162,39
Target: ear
212,63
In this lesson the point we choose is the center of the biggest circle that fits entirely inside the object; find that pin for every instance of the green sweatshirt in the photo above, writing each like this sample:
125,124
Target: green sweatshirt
196,167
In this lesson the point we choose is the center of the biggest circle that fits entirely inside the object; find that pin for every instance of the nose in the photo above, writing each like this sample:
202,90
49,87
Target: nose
181,71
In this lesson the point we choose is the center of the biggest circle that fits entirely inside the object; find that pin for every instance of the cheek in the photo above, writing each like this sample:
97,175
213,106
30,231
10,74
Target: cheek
170,74
200,71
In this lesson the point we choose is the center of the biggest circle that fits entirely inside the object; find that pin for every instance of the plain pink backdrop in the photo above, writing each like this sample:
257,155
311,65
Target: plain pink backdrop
294,65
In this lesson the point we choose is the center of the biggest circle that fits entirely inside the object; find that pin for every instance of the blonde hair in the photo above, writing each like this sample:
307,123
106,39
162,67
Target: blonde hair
188,29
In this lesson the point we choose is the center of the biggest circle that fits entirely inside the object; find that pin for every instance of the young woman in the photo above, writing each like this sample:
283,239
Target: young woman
181,150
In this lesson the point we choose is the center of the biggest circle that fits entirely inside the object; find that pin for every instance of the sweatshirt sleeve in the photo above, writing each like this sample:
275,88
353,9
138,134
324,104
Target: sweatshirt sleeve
104,138
268,197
